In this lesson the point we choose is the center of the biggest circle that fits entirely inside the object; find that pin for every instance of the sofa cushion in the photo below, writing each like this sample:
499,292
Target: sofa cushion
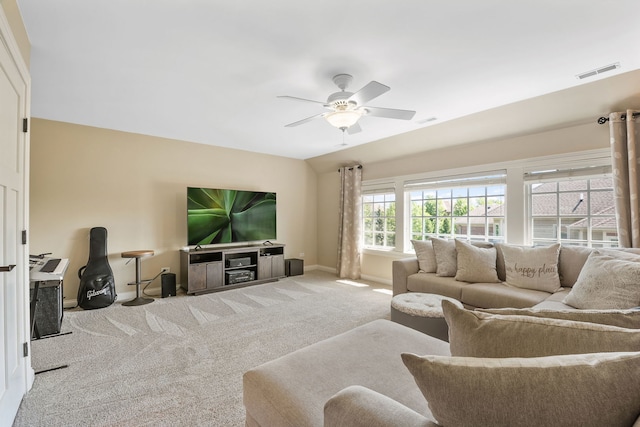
554,301
571,260
532,268
629,319
607,282
553,305
357,406
446,260
492,295
586,390
292,390
426,255
480,334
475,264
431,284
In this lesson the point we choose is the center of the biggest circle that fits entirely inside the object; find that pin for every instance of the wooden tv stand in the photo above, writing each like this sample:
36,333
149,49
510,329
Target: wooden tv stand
218,269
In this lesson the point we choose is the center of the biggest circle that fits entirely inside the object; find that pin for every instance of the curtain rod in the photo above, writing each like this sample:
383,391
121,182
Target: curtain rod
603,120
352,167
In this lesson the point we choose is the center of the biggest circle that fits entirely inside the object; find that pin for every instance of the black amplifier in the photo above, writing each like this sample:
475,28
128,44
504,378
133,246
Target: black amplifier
239,276
239,262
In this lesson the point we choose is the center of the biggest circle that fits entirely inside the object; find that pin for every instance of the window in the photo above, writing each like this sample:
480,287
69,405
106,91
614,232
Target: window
471,208
379,219
573,207
540,201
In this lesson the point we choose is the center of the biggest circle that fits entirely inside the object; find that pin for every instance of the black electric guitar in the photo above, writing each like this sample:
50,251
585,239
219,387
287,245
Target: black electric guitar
97,285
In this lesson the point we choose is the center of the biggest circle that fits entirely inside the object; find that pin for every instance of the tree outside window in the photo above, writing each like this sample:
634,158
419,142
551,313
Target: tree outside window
379,220
473,213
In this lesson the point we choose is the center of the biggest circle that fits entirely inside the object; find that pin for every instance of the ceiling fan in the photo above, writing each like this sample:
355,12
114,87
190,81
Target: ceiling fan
346,108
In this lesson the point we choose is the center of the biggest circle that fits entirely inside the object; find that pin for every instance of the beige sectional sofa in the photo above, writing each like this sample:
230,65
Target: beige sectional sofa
408,277
580,367
385,374
292,390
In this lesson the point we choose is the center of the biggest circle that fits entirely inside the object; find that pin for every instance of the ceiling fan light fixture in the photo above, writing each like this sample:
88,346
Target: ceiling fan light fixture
343,119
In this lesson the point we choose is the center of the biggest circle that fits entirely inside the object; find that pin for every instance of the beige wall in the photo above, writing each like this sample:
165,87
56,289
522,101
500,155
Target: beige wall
560,141
135,186
14,18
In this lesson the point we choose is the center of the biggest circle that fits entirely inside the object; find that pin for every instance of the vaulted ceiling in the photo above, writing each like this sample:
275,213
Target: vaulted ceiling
210,71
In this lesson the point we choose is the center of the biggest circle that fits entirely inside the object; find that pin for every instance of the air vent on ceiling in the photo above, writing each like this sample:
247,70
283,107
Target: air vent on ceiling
598,71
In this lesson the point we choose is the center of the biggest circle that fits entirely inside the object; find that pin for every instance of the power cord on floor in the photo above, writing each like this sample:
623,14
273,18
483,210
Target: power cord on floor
149,281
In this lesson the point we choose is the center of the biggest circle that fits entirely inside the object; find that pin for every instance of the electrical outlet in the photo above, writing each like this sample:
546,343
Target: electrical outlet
301,255
165,270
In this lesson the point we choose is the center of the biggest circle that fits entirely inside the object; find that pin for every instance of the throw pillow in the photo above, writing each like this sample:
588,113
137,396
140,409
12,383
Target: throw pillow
445,251
532,268
586,390
478,334
475,264
607,282
629,319
425,254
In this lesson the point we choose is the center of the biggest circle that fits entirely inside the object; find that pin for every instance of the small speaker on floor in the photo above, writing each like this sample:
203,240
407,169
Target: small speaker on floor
293,267
168,285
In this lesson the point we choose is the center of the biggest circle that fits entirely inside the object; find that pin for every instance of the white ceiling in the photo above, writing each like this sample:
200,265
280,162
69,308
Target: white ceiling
209,71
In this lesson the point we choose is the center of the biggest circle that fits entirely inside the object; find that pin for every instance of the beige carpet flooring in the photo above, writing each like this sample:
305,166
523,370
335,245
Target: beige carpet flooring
179,361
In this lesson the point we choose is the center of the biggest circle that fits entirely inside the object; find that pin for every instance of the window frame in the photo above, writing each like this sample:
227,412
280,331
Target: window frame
517,231
451,190
586,196
379,192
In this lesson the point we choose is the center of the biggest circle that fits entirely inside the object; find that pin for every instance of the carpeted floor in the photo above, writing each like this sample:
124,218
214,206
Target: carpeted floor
179,361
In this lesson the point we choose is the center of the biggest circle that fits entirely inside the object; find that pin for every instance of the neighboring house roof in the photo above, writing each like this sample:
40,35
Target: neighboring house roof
608,222
602,203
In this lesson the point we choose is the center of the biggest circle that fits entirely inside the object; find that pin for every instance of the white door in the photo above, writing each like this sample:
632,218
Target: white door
16,375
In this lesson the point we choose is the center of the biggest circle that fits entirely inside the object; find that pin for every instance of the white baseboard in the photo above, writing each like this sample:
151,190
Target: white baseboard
125,296
380,280
327,269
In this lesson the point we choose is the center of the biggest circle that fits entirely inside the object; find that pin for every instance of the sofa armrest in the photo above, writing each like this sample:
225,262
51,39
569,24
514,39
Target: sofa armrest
358,406
402,269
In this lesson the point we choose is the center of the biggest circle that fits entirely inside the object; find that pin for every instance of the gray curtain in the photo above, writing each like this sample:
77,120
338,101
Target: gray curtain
625,156
349,230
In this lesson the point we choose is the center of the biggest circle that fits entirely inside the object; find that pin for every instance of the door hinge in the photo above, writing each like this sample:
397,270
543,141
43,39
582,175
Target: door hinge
25,125
25,349
24,237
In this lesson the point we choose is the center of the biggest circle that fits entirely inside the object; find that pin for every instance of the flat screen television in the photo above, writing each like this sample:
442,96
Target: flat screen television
229,216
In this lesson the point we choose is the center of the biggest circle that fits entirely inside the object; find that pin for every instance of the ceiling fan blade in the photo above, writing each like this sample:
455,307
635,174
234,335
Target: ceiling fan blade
303,121
372,90
294,98
354,128
390,113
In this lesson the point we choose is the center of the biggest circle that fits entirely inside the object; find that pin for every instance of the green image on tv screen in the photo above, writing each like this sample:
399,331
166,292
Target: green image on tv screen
229,216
